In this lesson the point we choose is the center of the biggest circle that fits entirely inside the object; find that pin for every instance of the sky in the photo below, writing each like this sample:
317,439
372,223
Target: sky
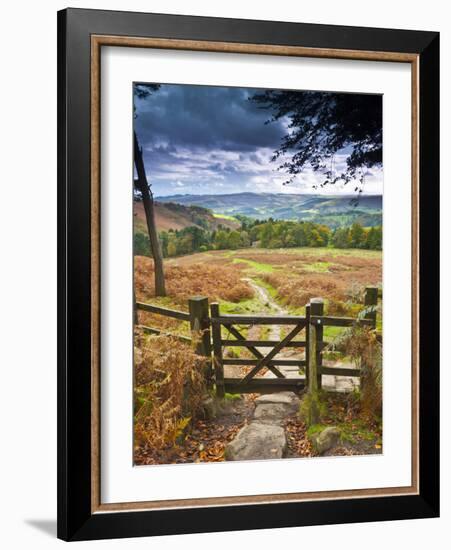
213,140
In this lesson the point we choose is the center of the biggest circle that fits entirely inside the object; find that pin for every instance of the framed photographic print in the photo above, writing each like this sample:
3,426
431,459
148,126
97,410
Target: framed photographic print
248,274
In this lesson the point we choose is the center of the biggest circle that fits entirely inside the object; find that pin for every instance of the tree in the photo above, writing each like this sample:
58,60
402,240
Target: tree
185,244
374,238
324,233
290,239
142,185
266,234
198,236
221,239
357,236
322,124
234,240
245,240
172,245
164,239
315,238
300,235
341,238
141,244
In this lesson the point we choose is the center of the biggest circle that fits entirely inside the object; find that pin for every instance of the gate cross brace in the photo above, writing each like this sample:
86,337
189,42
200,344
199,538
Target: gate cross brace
275,350
255,351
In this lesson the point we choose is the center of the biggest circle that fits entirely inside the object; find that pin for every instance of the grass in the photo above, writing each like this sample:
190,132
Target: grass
349,432
315,428
244,307
317,267
272,291
232,396
224,217
259,267
332,332
355,431
314,252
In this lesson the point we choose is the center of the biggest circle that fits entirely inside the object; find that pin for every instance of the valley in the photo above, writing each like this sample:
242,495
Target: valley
334,211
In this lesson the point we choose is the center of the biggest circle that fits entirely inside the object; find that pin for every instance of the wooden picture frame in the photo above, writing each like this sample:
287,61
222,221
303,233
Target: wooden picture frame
81,35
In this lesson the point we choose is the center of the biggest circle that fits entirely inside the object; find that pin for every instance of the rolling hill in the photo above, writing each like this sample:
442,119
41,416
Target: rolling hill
334,211
178,216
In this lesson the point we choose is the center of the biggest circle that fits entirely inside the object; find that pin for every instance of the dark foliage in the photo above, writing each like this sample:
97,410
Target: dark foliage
322,124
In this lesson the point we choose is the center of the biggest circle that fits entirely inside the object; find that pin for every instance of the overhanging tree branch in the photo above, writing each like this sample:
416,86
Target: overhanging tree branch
323,124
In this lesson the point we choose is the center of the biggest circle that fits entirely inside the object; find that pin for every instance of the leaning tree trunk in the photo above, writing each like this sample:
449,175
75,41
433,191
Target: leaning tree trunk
149,208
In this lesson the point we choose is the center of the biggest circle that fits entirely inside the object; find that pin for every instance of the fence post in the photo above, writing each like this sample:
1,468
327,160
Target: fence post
217,351
316,309
315,336
200,329
319,342
371,293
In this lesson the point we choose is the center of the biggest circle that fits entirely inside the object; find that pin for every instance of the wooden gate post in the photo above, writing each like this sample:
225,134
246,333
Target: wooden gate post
200,329
217,351
371,293
315,334
319,341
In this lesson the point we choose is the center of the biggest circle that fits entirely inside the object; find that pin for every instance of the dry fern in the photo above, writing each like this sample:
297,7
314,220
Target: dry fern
169,388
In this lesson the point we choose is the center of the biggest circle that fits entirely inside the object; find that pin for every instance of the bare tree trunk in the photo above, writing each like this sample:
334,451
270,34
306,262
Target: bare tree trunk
149,208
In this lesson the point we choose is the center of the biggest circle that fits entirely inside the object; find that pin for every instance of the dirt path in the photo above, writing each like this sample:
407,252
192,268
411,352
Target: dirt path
270,306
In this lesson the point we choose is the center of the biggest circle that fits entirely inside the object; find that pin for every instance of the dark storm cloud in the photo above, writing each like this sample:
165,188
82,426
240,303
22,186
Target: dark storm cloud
205,117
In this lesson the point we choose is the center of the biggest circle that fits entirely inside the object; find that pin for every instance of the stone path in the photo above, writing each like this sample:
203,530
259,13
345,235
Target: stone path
264,437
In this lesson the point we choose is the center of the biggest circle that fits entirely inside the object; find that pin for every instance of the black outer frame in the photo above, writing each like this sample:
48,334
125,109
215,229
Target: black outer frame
75,520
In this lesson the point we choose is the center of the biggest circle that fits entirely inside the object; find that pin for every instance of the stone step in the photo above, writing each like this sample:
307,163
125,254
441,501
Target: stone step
257,441
264,437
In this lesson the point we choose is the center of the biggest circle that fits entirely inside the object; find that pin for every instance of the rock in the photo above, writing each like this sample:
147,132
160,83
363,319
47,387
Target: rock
288,398
257,441
276,407
271,413
326,439
209,408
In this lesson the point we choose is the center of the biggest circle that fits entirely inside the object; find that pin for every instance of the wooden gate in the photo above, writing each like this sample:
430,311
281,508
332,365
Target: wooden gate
249,383
313,323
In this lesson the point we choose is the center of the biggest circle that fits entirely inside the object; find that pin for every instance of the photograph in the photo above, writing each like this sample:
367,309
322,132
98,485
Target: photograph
248,272
258,269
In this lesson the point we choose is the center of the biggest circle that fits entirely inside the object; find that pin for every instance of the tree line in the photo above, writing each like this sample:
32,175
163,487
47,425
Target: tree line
264,234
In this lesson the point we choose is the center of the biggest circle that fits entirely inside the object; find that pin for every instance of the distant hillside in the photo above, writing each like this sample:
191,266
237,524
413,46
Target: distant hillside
178,216
334,211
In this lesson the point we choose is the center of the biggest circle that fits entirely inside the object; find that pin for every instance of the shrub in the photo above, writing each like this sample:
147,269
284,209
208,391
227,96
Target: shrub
169,389
337,308
361,345
355,292
184,281
141,244
297,291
